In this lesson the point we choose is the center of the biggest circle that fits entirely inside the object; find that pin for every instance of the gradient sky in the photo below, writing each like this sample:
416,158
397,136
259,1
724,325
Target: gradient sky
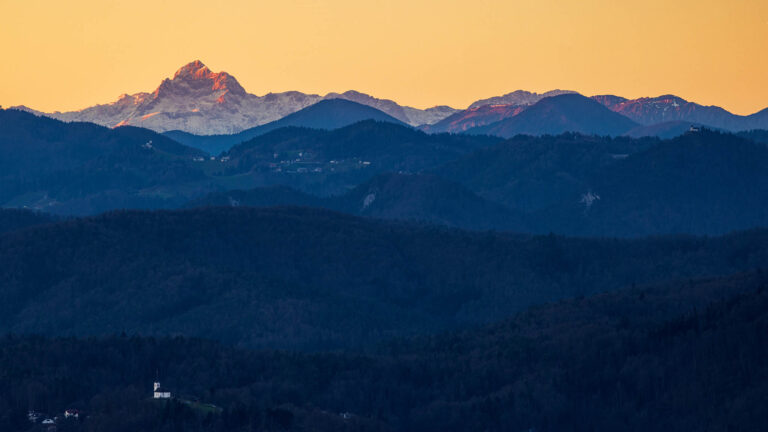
63,55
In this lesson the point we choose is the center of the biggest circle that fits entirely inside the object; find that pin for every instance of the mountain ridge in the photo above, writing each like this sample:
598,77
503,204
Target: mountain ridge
326,114
199,101
557,114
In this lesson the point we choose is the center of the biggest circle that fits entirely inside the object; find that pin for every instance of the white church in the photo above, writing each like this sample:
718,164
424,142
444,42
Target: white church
159,392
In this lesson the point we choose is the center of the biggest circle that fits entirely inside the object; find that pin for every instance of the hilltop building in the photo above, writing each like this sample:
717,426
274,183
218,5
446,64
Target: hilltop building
160,393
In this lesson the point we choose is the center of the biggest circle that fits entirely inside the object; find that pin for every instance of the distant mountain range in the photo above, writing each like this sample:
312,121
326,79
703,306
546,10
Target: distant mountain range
463,121
663,116
518,98
199,101
557,114
670,108
326,114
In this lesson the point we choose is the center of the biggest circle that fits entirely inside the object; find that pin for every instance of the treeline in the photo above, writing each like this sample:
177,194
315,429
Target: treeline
678,357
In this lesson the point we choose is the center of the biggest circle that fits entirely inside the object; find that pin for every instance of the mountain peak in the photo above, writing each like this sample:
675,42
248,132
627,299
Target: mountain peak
519,97
197,77
194,69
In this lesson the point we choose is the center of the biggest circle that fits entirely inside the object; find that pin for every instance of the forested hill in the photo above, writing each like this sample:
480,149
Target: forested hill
327,114
315,279
678,357
78,168
13,219
407,197
332,162
705,183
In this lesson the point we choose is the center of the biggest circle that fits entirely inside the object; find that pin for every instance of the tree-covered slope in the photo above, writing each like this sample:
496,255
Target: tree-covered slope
679,356
408,197
703,182
13,219
326,114
59,167
304,278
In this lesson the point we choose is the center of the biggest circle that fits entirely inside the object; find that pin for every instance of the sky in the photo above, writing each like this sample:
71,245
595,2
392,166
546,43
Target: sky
66,55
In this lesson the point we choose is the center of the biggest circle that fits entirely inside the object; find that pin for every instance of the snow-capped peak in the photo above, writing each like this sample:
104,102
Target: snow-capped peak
194,69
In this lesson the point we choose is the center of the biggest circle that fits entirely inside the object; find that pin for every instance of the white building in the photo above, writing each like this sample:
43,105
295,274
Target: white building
160,393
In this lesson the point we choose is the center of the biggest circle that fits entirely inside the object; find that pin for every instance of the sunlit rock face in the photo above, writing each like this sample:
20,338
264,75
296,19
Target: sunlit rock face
200,101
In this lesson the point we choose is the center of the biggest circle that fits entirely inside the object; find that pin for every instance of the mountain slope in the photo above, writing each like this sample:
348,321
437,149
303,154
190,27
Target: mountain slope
491,110
474,117
49,165
332,162
412,197
558,114
412,116
700,183
666,130
669,108
759,136
428,199
532,173
648,358
305,278
519,98
13,219
326,114
272,196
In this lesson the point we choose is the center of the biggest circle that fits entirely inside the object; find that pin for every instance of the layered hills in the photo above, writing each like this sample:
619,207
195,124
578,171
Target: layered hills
326,114
702,182
314,279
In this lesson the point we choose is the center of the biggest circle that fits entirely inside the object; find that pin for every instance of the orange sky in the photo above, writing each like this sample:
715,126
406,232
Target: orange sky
62,55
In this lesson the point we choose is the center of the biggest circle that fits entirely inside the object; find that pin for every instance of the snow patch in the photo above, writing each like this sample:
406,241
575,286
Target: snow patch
588,199
368,200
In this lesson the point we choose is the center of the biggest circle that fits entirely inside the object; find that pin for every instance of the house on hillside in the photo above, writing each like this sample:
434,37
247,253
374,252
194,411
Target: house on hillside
159,392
